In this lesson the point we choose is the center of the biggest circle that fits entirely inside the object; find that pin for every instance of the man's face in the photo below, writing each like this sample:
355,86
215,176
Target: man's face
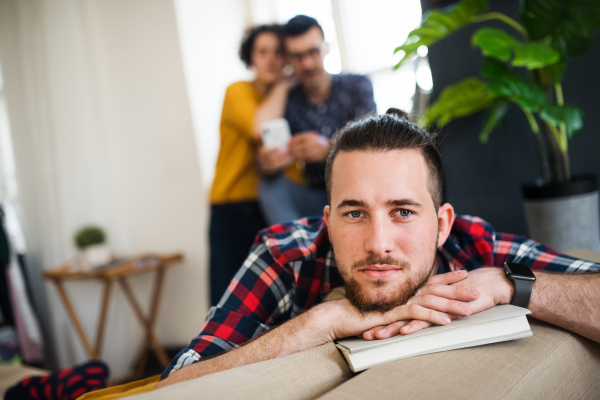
383,226
306,53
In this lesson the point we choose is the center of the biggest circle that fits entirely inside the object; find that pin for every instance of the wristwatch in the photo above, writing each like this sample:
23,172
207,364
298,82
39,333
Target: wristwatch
522,277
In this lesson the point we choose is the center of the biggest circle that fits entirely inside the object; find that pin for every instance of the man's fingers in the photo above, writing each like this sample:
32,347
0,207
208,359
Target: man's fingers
441,304
413,326
370,334
385,332
447,278
450,292
415,311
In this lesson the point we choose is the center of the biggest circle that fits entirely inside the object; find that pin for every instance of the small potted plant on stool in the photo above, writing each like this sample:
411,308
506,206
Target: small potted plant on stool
93,249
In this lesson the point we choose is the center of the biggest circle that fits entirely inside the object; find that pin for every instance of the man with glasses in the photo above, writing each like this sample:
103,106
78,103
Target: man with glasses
320,105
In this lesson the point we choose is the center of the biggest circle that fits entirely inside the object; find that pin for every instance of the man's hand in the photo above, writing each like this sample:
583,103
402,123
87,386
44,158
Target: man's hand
272,160
309,146
341,319
486,286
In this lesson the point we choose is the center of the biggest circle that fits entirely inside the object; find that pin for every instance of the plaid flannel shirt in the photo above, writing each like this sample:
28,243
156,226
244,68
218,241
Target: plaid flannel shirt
291,267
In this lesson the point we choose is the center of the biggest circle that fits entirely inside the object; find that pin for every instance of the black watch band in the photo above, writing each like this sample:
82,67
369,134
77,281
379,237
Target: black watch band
522,293
522,277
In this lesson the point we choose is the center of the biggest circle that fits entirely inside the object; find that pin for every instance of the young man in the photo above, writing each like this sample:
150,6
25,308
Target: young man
405,260
315,109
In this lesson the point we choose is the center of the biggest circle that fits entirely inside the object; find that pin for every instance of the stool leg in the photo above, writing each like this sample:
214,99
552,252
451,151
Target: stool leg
102,317
150,340
156,295
74,319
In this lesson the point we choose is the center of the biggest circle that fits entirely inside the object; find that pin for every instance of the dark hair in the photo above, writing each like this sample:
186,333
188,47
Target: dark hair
250,36
390,131
299,25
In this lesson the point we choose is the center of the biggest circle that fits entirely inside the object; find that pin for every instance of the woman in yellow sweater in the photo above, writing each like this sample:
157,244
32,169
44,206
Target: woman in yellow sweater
235,213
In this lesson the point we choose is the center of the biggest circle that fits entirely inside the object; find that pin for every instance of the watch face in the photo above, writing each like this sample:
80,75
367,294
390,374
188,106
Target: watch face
520,270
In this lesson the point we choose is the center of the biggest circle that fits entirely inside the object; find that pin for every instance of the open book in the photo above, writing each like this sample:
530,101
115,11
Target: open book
497,324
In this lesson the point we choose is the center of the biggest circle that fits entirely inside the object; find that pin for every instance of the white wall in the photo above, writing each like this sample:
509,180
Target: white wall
103,134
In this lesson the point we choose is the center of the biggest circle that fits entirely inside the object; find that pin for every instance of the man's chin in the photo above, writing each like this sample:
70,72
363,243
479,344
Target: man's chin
382,295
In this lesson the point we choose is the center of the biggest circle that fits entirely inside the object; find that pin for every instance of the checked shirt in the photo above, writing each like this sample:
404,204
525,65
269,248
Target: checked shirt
291,267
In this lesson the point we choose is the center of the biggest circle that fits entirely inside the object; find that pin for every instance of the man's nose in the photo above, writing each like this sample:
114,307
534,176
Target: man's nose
379,237
308,62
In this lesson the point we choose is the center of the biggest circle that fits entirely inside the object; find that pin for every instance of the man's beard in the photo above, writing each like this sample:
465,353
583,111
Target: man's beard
355,293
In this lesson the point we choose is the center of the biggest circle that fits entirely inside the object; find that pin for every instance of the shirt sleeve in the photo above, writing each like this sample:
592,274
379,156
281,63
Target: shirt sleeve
365,101
259,296
239,108
474,243
518,249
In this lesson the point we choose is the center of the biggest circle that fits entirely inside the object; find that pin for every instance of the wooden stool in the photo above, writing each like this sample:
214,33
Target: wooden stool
107,275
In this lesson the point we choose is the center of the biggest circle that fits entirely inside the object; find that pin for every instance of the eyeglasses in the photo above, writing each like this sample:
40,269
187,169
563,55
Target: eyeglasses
310,53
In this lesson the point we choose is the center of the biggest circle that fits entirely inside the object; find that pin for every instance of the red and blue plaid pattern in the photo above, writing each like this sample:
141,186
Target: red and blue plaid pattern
291,267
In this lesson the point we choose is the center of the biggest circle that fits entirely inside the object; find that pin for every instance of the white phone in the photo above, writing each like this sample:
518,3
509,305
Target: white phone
276,133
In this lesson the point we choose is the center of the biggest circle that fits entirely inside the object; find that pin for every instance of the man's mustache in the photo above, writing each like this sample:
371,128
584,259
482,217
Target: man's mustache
374,260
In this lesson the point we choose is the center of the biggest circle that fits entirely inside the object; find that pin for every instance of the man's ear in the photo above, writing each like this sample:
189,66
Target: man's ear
445,222
326,211
325,49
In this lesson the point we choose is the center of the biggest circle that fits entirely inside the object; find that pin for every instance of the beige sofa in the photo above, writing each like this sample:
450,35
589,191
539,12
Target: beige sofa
553,364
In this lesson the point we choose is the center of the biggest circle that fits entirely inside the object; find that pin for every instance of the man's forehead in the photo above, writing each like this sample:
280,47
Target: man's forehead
383,175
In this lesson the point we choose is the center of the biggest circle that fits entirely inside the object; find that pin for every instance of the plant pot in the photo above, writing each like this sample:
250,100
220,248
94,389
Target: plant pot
95,256
564,216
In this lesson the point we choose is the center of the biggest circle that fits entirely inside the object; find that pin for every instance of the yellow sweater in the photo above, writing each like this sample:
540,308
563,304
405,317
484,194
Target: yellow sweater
236,175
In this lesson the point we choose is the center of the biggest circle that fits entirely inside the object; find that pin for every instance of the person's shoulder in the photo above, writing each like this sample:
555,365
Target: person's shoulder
296,240
352,78
354,83
473,226
240,88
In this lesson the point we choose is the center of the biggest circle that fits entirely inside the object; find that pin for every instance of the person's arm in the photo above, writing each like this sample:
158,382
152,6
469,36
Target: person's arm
568,301
273,106
321,324
239,109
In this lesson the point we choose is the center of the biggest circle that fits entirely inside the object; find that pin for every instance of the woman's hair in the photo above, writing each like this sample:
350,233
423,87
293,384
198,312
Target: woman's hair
388,132
251,35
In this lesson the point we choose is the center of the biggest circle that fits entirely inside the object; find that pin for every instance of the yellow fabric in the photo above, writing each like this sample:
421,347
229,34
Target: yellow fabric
236,176
121,391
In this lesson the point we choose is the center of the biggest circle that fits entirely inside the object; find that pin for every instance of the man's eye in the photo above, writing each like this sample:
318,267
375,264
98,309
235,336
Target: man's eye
355,214
404,213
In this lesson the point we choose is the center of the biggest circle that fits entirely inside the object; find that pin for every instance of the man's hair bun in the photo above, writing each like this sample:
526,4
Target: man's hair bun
397,112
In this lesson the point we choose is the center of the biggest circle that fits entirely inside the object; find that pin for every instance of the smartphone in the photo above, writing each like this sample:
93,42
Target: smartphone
276,133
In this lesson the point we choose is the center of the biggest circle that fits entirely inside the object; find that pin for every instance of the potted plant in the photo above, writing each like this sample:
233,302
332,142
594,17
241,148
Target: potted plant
523,69
93,250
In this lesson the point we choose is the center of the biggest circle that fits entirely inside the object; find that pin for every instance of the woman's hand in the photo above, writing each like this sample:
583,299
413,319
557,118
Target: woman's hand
272,160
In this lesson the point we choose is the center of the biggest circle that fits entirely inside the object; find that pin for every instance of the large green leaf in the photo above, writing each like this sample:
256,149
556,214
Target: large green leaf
500,45
494,43
571,116
439,23
569,24
497,112
534,55
461,99
505,83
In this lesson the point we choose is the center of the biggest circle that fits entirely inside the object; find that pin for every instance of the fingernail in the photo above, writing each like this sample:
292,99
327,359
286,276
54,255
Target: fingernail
446,320
405,329
473,292
460,271
466,309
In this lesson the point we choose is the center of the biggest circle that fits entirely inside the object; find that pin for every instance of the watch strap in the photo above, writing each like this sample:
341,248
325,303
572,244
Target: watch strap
522,292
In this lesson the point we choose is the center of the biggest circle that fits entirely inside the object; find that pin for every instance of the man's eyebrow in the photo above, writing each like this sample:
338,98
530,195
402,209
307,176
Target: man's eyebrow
351,203
403,202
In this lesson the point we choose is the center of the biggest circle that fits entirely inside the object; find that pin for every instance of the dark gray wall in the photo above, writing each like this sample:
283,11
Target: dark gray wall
485,179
